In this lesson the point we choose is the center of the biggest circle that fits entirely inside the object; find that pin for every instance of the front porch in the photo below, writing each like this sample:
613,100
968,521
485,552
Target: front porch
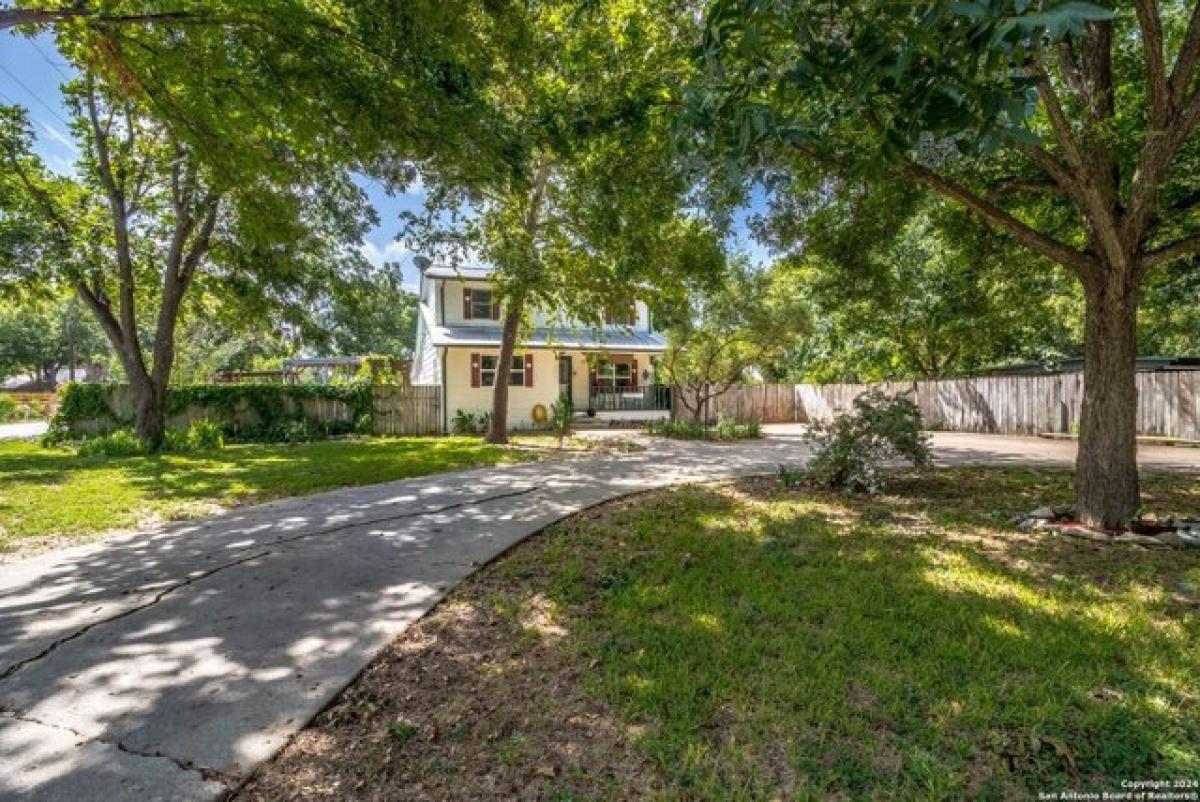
613,386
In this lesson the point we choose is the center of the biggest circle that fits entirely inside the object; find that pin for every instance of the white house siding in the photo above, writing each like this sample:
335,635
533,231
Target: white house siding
426,364
521,400
452,291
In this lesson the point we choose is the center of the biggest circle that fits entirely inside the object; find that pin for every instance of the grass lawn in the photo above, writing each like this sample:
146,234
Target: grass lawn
746,642
52,494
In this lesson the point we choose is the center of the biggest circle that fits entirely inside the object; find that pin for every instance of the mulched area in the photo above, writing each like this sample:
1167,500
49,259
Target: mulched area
479,700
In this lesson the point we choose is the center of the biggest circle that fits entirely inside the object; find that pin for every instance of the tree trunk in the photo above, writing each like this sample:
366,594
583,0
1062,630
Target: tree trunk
150,420
498,428
1106,476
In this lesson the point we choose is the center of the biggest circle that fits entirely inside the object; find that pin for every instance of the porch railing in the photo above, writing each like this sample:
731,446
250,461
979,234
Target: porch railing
650,397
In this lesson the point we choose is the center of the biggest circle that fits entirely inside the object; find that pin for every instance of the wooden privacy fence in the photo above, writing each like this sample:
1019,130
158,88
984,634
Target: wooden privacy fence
407,409
1168,403
993,404
767,403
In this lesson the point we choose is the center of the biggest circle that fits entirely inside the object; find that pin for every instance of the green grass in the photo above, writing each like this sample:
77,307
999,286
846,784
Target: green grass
47,493
766,643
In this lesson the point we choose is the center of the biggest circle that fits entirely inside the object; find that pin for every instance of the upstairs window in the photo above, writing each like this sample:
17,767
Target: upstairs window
479,304
623,314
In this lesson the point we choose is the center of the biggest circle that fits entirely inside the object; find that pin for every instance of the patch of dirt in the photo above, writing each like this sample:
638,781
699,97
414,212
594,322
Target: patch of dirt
482,699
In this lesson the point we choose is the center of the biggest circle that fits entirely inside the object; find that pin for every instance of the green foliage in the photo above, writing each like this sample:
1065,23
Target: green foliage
752,319
562,414
464,422
8,407
39,336
205,435
117,443
592,209
791,476
846,628
278,409
849,451
53,491
374,315
928,294
694,430
728,429
402,731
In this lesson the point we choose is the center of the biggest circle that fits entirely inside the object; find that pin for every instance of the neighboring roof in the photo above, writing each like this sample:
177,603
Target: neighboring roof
1144,364
489,337
463,271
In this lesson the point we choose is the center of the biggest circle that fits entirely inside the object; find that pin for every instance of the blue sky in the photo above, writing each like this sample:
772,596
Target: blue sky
31,71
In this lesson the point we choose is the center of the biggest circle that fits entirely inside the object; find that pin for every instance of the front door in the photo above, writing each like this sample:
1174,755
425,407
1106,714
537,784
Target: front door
564,378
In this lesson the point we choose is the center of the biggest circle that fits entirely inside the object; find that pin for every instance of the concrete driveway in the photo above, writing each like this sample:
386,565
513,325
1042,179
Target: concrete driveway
166,666
20,431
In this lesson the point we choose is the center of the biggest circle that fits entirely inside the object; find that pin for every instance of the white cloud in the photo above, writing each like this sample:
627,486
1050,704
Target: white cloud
392,252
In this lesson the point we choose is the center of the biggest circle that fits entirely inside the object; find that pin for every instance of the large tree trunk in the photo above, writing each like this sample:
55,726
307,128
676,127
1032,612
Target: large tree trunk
498,428
1106,475
150,420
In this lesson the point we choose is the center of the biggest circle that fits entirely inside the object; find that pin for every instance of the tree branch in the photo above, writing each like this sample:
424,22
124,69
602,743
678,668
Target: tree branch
1156,76
1186,61
1077,261
10,18
1023,185
1184,247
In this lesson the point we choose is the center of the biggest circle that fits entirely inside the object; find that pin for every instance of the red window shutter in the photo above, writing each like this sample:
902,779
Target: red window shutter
495,310
529,370
474,368
633,377
466,303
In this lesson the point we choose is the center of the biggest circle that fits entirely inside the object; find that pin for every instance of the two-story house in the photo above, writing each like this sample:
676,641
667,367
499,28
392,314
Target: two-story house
608,370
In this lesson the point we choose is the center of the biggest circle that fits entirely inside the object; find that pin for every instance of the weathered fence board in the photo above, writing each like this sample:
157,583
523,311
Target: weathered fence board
766,403
407,409
1168,403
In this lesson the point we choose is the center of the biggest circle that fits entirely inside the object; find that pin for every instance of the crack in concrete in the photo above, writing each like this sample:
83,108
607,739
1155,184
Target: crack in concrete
230,781
162,594
15,716
155,599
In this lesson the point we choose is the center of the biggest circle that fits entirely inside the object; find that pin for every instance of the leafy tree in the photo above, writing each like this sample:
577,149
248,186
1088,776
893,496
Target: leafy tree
375,315
591,209
1066,125
41,338
753,319
146,218
235,125
939,298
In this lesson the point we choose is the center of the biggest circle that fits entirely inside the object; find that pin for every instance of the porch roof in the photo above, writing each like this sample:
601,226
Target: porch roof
566,339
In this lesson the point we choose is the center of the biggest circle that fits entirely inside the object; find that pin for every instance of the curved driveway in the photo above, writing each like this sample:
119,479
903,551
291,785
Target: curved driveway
167,665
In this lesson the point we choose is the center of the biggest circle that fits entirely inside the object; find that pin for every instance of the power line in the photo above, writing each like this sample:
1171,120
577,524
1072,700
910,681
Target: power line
33,95
48,60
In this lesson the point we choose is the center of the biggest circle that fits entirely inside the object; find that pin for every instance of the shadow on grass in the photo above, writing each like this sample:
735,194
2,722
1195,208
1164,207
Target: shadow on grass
50,491
810,645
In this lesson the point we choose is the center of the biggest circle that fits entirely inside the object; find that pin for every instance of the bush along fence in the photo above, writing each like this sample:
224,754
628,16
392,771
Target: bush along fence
1168,403
270,412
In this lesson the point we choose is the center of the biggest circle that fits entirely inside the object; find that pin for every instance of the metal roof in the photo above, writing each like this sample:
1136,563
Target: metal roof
489,337
463,271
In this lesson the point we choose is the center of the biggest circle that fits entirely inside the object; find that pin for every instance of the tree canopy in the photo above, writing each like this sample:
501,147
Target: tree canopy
592,210
1068,126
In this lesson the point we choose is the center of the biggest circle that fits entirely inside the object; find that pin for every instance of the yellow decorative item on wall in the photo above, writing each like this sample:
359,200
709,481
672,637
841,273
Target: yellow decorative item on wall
539,414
